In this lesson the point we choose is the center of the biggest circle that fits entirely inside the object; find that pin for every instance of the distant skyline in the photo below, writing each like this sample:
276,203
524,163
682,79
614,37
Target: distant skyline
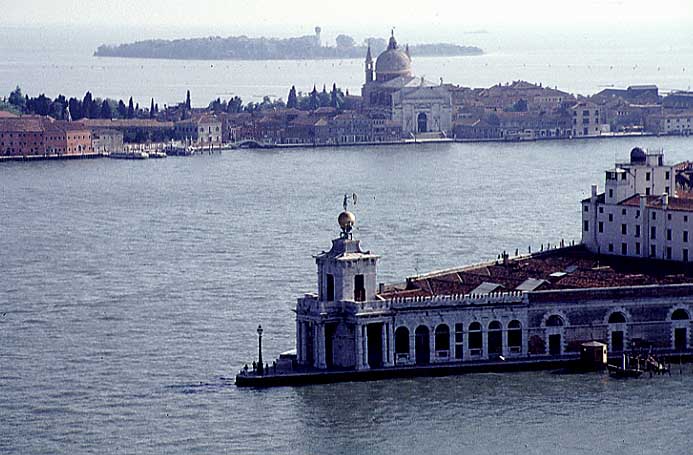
248,14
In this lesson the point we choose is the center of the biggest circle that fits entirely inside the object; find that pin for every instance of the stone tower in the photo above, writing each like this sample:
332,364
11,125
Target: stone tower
369,65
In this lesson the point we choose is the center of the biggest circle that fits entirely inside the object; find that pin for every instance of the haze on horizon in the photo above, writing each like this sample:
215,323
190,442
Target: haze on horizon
249,14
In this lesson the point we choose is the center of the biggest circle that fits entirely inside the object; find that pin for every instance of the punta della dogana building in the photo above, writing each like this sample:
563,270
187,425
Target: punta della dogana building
532,311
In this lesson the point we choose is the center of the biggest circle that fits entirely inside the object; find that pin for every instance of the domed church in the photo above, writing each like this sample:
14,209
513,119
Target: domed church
391,92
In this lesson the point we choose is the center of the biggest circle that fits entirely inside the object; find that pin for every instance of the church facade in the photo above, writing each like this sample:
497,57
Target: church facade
391,92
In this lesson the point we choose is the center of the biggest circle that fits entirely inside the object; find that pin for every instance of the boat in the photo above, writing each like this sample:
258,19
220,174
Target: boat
626,370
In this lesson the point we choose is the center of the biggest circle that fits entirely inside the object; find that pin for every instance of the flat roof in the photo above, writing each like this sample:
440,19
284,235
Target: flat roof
559,269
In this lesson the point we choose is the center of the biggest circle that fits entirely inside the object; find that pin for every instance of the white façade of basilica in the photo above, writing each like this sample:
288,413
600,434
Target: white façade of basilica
391,92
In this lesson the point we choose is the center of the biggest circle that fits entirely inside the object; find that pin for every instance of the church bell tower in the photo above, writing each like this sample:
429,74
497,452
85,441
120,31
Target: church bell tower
369,65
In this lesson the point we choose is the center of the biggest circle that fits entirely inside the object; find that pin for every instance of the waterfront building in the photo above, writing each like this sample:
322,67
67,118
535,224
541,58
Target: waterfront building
645,211
107,140
36,135
587,120
22,136
204,129
671,122
67,138
391,92
523,309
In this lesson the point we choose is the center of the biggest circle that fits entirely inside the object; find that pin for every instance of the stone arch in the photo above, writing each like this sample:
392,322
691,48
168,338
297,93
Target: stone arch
680,317
514,336
494,338
421,122
617,329
422,345
442,338
474,334
402,341
554,323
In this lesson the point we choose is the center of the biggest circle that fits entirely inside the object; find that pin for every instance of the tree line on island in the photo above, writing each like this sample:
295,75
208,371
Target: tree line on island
245,48
63,108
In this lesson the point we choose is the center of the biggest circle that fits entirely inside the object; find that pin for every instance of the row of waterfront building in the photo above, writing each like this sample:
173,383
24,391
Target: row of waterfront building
394,105
539,308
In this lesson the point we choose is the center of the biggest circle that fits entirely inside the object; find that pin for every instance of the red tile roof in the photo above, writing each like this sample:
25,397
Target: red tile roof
582,270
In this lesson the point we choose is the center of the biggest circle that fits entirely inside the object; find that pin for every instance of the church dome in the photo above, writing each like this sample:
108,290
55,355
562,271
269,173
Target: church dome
392,63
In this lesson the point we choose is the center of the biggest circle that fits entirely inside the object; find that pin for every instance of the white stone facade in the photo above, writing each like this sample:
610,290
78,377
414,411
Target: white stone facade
349,325
639,214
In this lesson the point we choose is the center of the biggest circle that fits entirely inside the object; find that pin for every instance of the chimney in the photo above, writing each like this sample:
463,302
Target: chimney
665,200
594,191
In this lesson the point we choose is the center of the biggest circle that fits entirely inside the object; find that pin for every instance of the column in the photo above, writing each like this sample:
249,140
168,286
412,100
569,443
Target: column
391,340
299,342
385,356
358,344
321,343
364,341
316,348
432,345
504,341
484,342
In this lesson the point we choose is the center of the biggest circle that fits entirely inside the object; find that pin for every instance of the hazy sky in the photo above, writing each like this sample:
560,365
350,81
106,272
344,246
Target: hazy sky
349,13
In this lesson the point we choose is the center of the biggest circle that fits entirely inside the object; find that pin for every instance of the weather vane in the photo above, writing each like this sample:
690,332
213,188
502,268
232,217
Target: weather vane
353,198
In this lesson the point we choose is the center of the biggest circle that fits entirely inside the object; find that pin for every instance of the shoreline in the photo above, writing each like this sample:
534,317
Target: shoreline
566,364
406,142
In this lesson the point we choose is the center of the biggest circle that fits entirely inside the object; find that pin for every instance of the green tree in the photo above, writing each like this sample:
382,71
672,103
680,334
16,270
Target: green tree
152,112
106,111
131,109
122,109
187,100
17,99
292,101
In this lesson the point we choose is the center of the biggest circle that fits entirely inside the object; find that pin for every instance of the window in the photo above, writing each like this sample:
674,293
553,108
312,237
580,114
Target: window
475,340
669,216
669,252
653,250
611,193
587,208
685,236
685,218
586,225
647,191
459,341
601,209
611,217
654,215
601,226
402,341
611,247
624,229
637,230
666,175
685,255
330,287
442,338
624,249
637,248
668,234
653,232
515,336
647,177
666,189
359,288
637,214
623,212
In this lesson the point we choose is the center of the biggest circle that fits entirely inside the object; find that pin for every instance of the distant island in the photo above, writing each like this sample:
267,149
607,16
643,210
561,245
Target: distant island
244,48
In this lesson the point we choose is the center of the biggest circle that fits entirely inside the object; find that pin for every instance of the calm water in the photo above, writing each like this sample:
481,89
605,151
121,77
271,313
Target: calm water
130,293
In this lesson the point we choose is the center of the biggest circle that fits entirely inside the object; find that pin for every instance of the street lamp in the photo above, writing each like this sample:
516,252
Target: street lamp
260,367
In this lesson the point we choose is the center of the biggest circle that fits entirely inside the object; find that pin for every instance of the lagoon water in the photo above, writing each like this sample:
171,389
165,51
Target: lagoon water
131,291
